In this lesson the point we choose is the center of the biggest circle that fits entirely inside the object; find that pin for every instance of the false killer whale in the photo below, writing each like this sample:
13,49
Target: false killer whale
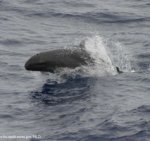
60,58
49,61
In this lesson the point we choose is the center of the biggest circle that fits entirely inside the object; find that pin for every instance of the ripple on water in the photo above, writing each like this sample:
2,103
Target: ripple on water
53,93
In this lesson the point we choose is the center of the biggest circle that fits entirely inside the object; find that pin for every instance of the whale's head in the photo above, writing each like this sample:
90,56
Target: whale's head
38,62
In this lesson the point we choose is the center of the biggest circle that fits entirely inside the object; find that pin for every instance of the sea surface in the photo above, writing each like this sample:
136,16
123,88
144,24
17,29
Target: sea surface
89,103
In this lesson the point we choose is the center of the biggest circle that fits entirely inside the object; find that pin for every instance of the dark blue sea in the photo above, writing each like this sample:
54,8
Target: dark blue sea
89,103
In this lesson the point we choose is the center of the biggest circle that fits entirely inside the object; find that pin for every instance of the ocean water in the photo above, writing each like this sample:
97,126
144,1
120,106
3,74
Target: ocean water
89,103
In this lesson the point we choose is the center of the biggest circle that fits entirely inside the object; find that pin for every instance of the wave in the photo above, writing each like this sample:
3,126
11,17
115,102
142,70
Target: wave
142,62
54,93
97,17
78,4
144,55
104,16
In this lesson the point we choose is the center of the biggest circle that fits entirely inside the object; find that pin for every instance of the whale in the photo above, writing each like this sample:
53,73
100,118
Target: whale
51,60
61,58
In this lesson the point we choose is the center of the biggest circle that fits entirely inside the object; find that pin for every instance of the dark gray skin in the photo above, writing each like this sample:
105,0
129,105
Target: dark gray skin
51,60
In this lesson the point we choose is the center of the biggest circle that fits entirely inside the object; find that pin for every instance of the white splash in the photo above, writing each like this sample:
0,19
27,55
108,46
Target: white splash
96,47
